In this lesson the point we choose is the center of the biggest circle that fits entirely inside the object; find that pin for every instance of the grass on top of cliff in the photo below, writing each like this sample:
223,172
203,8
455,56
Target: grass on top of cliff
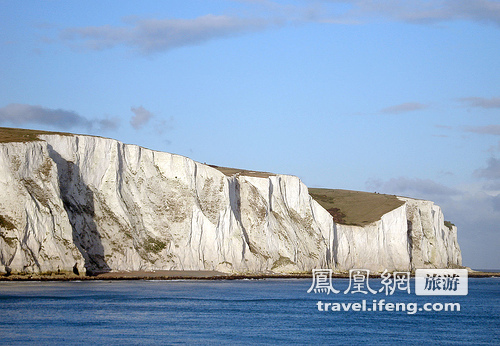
347,207
232,171
8,135
355,207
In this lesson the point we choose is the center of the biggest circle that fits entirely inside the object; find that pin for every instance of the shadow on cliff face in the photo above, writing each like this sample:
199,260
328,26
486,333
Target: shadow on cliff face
78,200
235,202
332,258
410,240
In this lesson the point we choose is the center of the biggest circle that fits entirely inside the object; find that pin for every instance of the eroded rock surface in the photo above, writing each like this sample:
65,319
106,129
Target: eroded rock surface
88,204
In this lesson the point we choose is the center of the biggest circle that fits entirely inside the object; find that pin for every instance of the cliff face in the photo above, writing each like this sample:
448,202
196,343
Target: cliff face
94,204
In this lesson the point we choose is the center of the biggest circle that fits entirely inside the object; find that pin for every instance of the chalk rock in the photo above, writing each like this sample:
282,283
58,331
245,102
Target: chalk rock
89,204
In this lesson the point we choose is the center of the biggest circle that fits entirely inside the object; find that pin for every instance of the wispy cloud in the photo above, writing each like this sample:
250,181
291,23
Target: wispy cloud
152,35
491,175
28,115
484,130
411,11
20,114
143,117
491,172
426,12
404,107
108,124
494,148
445,127
481,102
475,212
24,114
420,188
164,125
158,35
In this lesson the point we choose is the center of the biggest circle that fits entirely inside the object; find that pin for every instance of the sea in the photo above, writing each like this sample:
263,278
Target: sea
240,312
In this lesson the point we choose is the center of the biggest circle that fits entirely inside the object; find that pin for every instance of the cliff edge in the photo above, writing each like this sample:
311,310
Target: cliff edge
84,204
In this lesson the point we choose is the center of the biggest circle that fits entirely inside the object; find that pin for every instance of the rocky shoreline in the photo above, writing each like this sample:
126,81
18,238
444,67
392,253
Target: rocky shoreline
182,275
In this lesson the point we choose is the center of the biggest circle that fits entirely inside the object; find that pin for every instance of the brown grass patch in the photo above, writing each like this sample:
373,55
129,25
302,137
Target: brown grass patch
355,207
232,171
8,134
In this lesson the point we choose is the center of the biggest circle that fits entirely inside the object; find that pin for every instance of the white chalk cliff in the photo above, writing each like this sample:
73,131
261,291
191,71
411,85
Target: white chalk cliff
96,204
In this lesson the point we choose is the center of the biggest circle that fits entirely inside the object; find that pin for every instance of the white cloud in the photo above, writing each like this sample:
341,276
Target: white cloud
141,117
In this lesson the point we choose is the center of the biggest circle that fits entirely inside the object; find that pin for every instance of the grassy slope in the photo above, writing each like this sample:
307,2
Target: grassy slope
355,207
8,134
346,207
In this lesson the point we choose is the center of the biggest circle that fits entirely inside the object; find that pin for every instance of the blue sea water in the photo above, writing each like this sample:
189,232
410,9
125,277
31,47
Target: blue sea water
272,311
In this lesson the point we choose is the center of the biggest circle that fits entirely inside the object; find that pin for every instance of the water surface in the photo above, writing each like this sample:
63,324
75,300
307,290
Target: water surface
272,311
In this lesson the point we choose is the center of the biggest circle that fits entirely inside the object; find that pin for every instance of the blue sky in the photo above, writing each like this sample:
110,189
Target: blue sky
390,96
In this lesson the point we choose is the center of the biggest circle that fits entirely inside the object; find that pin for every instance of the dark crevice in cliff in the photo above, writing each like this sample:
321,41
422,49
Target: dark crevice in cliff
410,239
78,201
334,246
235,202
